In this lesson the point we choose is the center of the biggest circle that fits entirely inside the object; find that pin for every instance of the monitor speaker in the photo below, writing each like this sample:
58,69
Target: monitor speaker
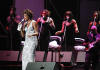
43,66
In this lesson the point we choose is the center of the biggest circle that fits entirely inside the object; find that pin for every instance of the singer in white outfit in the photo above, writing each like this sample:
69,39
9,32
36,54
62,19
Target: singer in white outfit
30,31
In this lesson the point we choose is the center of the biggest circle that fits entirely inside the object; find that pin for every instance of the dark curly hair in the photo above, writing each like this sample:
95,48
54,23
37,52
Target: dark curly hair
29,13
68,13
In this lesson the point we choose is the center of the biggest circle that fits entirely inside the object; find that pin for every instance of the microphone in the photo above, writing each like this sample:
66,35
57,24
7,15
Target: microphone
44,17
95,17
67,18
22,20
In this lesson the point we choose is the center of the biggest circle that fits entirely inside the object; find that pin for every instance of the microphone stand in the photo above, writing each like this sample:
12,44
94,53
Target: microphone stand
40,29
64,37
94,21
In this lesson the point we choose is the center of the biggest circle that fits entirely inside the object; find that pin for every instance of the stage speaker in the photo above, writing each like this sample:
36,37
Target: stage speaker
42,66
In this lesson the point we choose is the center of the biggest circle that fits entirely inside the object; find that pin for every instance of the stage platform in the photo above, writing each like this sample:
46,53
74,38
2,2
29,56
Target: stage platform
9,60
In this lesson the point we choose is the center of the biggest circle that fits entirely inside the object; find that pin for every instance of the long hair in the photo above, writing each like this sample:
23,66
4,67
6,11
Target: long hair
98,16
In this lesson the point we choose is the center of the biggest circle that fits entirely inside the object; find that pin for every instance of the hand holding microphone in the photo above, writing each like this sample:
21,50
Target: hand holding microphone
20,25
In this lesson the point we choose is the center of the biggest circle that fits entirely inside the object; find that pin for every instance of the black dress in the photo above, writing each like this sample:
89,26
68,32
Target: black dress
69,37
44,36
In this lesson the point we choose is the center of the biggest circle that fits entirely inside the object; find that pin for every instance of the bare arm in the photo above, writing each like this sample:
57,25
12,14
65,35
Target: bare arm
52,23
61,31
23,30
22,33
75,25
89,28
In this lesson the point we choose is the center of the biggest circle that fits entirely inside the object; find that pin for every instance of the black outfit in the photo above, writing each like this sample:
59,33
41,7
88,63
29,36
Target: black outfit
44,36
14,35
69,37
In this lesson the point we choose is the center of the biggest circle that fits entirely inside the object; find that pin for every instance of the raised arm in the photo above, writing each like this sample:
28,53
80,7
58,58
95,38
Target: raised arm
23,30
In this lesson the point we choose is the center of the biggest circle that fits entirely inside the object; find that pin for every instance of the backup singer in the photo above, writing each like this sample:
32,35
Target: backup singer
46,25
92,55
92,30
30,31
13,20
69,28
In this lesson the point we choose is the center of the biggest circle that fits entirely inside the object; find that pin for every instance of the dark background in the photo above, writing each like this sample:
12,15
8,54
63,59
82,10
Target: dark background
4,12
58,8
